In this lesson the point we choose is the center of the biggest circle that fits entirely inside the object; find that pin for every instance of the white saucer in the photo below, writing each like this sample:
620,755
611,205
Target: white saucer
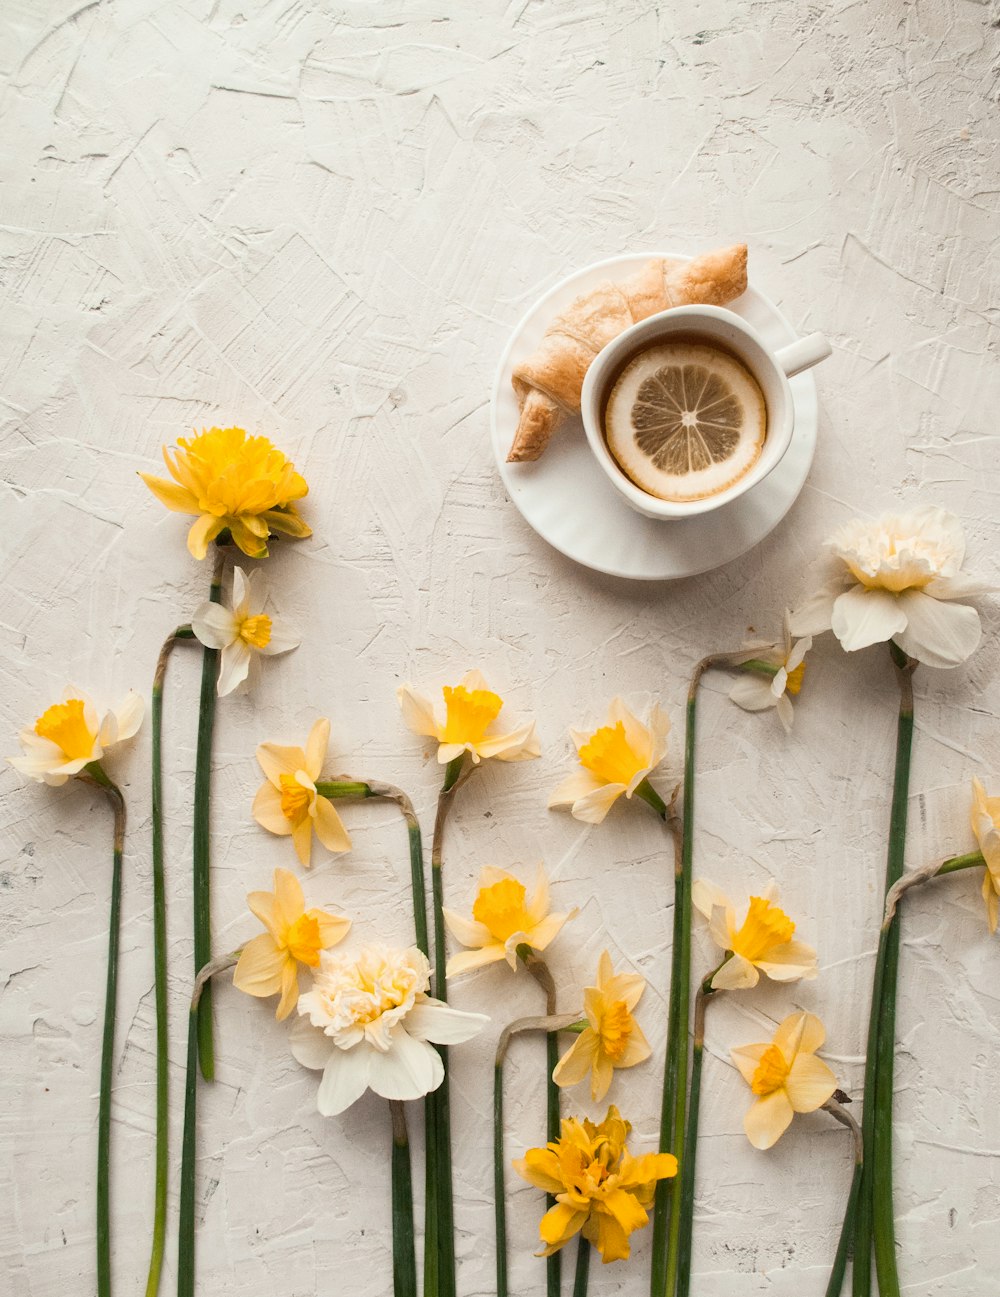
572,505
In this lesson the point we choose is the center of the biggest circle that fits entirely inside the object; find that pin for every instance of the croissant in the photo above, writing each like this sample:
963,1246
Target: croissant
549,382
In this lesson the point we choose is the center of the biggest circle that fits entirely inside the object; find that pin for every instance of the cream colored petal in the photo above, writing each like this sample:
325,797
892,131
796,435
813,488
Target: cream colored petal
800,1033
330,827
276,760
129,715
790,962
242,588
316,746
637,1049
289,991
938,634
214,625
579,784
538,905
862,617
234,667
289,899
736,974
283,640
768,1119
543,934
992,901
810,1083
263,906
268,813
449,752
786,713
752,692
578,1060
707,897
798,653
722,926
489,875
418,712
473,680
333,928
815,614
627,987
466,960
593,807
601,1076
467,931
260,967
302,835
520,745
637,735
605,973
747,1059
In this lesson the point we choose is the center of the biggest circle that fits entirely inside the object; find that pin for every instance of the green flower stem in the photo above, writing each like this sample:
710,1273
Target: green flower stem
673,1112
94,773
404,1260
539,970
582,1269
875,1224
551,1024
185,1228
202,834
440,1217
836,1283
160,972
372,788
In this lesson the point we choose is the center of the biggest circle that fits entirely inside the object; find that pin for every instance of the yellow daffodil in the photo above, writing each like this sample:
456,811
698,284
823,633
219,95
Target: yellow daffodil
229,480
764,941
613,1038
368,1023
786,1077
599,1187
755,691
503,918
70,735
899,580
615,758
471,709
288,804
986,827
269,964
242,632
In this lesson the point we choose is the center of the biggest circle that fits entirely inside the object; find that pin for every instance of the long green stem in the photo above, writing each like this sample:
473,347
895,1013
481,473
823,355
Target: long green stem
404,1260
582,1269
160,973
875,1224
499,1188
185,1229
202,834
839,1269
440,1217
94,773
540,972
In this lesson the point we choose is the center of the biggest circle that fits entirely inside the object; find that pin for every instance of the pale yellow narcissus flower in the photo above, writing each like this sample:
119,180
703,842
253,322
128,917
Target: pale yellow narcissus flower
289,805
613,1038
229,480
503,918
241,632
899,580
786,1077
368,1023
756,691
70,735
471,709
763,943
615,760
986,827
599,1187
269,964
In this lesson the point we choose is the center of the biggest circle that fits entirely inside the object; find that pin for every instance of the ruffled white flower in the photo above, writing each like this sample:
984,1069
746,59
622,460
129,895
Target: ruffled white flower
755,691
71,734
368,1023
240,632
901,578
471,708
614,761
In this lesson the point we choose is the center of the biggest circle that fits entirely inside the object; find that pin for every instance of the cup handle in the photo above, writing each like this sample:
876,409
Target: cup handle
803,354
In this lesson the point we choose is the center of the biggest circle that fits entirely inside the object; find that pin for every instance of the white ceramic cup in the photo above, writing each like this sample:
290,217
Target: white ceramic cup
771,369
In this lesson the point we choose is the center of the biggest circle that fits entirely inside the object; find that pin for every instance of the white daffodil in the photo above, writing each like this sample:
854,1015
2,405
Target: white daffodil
368,1023
471,708
756,690
71,734
615,759
900,581
241,631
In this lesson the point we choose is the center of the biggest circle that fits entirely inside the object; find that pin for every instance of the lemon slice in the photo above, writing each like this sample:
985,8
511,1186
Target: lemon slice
685,421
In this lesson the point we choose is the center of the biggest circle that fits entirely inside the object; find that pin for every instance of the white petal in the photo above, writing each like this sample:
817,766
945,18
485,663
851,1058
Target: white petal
959,587
937,634
234,666
214,625
798,652
752,692
573,787
241,592
346,1077
862,617
736,974
814,615
593,807
431,1020
408,1070
786,713
707,897
418,712
129,715
283,640
309,1045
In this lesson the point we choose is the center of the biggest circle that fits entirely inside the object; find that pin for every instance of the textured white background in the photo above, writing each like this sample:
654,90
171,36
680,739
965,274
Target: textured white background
321,221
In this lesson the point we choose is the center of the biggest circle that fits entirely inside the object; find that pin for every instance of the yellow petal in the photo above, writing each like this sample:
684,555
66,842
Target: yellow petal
276,760
578,1060
747,1059
626,1210
268,813
467,931
608,1237
800,1033
289,901
992,901
810,1083
540,1167
559,1224
316,746
330,827
333,928
466,960
289,990
264,907
768,1119
302,841
174,497
601,1077
260,966
202,533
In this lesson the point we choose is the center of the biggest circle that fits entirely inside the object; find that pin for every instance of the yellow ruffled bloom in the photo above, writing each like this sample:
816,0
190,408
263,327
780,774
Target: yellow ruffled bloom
615,759
471,709
269,964
763,943
786,1077
68,736
600,1188
289,805
229,480
613,1039
503,918
986,827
